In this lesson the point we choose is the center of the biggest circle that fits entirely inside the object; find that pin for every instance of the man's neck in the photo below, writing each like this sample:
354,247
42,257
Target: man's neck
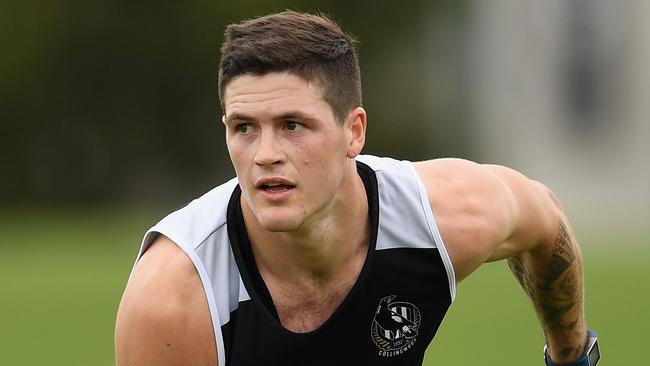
323,247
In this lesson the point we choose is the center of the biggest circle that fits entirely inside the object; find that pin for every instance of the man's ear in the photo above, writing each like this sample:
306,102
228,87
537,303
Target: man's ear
356,130
223,119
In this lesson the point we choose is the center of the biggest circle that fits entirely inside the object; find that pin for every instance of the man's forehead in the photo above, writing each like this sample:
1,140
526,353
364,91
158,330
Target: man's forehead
273,92
274,82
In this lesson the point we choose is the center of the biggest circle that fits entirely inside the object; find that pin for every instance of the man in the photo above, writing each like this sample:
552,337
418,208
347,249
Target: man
316,254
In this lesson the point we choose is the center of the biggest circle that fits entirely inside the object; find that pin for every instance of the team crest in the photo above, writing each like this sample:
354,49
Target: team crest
395,326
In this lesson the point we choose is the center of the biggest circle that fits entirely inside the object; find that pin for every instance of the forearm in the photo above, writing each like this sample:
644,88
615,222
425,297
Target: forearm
552,275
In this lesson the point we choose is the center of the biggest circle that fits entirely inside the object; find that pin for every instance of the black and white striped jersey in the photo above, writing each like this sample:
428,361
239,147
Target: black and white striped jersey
390,315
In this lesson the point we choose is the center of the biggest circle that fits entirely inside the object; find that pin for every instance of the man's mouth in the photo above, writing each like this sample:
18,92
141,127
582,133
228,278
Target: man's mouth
276,187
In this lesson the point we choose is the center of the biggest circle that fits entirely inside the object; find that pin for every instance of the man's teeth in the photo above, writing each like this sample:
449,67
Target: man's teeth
275,187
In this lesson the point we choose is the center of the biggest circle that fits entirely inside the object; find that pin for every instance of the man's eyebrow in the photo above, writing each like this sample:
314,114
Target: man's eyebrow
282,117
239,116
294,115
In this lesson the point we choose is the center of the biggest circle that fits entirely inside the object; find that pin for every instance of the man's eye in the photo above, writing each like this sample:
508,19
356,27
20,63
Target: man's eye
243,128
293,126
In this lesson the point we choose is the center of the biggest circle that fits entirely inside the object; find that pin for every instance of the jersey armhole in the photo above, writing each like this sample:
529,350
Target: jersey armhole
149,237
435,233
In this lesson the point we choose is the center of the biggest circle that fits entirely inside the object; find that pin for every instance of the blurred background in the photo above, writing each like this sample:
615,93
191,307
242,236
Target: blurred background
109,119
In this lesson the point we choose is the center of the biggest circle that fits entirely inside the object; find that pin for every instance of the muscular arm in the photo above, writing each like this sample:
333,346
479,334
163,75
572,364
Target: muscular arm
487,213
163,319
554,281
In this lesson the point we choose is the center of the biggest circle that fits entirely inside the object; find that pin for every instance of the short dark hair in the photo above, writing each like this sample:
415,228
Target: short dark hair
310,46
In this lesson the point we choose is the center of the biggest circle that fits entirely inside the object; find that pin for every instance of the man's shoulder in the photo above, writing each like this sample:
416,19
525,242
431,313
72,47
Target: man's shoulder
465,176
164,299
449,167
468,185
450,170
479,207
164,278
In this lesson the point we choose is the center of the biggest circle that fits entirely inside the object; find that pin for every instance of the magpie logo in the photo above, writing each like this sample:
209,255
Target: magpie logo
395,326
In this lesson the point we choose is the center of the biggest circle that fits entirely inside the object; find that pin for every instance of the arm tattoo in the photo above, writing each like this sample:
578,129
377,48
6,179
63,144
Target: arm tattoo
555,288
563,255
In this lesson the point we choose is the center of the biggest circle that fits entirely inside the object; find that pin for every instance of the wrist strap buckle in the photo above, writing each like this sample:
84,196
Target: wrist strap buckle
590,358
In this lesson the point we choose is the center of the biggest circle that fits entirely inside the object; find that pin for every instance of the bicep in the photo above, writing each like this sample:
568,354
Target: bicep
536,213
484,212
163,318
473,210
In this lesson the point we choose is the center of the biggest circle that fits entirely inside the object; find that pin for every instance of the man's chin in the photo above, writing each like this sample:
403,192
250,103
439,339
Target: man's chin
279,224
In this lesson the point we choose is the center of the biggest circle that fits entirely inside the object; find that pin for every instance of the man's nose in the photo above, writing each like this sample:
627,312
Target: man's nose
269,151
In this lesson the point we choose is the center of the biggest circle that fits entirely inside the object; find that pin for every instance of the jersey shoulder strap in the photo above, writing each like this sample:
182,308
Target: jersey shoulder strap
406,218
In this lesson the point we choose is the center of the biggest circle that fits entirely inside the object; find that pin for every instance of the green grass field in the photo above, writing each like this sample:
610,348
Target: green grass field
63,272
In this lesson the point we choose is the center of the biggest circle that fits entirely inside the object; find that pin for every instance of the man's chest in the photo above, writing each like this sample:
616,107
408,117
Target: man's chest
387,317
304,309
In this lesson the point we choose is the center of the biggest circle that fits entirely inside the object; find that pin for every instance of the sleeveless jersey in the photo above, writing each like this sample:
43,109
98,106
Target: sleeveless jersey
390,315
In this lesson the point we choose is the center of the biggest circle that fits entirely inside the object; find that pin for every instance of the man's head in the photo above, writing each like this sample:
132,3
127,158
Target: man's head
290,91
310,46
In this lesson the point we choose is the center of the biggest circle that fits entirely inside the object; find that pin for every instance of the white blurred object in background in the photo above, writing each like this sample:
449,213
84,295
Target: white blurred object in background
560,90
